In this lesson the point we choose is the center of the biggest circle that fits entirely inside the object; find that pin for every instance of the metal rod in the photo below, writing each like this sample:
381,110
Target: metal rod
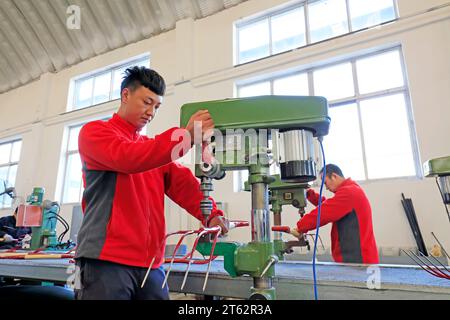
425,257
173,255
186,274
260,224
211,254
277,222
148,272
434,258
435,271
260,213
419,264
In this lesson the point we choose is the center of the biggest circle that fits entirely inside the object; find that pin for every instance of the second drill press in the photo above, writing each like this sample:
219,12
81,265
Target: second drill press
243,128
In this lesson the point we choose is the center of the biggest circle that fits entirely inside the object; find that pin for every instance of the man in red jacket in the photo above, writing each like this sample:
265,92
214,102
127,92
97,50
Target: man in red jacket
126,176
352,238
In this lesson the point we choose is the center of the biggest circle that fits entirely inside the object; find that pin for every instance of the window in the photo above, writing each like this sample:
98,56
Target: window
73,184
327,19
9,161
102,86
307,22
371,133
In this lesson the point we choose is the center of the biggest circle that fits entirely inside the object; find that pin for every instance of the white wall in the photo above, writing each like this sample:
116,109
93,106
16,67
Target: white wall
196,60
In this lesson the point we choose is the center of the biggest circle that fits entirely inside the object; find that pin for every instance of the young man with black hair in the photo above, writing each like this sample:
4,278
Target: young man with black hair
126,176
9,232
352,237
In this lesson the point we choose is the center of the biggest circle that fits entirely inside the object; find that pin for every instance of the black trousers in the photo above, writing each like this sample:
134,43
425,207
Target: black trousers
103,280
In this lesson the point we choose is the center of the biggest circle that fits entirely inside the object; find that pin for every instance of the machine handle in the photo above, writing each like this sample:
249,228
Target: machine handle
238,224
281,229
272,260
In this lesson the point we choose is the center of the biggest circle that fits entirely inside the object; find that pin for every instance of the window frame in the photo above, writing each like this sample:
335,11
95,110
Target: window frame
8,165
71,106
357,98
305,4
67,154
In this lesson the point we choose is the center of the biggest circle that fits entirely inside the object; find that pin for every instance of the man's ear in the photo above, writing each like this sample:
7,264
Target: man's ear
125,95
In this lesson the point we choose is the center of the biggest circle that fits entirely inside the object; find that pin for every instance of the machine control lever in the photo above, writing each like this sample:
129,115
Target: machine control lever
272,260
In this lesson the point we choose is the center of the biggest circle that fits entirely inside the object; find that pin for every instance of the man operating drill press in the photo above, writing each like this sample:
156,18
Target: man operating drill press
352,238
126,176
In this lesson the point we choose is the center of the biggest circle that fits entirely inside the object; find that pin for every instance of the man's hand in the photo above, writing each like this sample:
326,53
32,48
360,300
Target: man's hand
296,233
207,124
310,193
8,238
220,221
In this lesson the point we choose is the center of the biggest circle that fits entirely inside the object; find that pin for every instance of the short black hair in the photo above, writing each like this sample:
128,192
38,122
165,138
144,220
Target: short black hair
332,168
142,76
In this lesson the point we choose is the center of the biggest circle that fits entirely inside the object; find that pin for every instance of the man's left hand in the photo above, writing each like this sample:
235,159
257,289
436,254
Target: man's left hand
220,221
296,233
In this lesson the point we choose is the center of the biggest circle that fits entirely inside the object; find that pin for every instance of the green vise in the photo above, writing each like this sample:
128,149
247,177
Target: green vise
242,259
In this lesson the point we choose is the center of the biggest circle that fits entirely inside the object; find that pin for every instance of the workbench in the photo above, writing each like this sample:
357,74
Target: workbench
293,280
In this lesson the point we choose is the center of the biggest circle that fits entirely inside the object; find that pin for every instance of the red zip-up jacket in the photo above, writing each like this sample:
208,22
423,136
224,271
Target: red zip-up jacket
126,176
352,238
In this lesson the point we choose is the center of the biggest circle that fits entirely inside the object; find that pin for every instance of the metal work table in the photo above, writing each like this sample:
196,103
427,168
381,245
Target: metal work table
293,281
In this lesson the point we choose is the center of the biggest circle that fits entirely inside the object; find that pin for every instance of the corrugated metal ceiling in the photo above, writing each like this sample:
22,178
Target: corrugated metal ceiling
35,39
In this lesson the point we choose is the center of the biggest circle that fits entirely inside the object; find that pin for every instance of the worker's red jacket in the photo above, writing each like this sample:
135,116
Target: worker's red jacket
352,238
126,176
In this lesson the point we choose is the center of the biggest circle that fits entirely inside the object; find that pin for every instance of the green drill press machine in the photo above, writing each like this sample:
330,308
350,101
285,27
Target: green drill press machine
440,168
243,129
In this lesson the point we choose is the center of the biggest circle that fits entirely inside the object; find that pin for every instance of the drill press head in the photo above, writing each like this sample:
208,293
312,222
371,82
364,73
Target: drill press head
292,122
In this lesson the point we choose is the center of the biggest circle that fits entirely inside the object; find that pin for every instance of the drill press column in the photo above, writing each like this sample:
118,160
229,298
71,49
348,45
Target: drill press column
261,225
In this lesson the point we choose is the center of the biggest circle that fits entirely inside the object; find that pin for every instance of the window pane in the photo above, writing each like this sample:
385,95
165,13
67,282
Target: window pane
3,176
343,143
288,30
380,72
259,89
334,82
117,81
144,63
254,41
366,13
3,180
296,85
83,93
327,19
387,137
73,179
5,153
12,175
73,138
11,182
16,148
102,85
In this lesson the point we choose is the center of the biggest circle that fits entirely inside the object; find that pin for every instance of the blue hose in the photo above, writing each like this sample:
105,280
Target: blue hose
324,172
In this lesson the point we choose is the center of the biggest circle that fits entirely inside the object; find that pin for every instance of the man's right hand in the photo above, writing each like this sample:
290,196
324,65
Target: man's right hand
8,238
310,194
207,123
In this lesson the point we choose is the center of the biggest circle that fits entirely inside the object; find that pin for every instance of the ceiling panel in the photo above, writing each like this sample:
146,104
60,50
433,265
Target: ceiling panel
34,38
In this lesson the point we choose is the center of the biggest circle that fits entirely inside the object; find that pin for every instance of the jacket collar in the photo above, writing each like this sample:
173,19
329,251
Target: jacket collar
346,182
124,125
